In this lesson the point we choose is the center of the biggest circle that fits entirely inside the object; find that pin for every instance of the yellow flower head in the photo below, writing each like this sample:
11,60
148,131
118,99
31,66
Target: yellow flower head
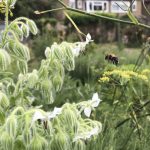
143,77
146,72
104,79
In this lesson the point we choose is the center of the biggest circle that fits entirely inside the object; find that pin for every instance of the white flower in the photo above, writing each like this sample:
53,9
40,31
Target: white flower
92,104
47,52
76,51
88,38
57,111
80,46
87,135
95,100
87,111
94,131
38,115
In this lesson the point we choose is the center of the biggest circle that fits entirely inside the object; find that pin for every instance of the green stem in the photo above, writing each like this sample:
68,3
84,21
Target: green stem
102,17
6,15
137,65
42,12
127,140
148,12
127,119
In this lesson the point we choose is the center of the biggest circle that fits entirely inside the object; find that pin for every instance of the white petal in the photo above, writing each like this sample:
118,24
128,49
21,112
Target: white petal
57,111
37,115
88,135
87,111
94,131
88,37
51,115
76,51
95,96
77,138
95,103
95,100
47,52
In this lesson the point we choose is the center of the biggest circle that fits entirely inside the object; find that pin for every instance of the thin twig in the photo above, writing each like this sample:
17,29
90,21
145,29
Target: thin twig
46,11
145,7
127,119
140,56
131,4
101,16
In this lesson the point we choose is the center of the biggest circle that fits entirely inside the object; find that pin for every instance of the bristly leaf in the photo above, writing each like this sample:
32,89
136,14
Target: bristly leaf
32,27
5,59
6,141
23,67
11,126
4,101
38,143
25,30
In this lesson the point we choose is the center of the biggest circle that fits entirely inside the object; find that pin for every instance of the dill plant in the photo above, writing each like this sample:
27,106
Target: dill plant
24,126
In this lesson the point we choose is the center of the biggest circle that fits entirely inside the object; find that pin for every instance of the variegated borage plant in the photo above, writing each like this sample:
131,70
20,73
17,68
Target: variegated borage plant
27,127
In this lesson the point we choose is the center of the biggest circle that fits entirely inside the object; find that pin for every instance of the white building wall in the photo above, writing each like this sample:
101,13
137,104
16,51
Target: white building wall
97,5
72,3
121,7
103,5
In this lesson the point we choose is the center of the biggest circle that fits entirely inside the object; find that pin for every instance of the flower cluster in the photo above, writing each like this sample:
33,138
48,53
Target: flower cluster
104,79
146,72
123,76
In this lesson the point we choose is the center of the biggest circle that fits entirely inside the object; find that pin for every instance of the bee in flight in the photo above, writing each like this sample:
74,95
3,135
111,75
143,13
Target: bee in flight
112,58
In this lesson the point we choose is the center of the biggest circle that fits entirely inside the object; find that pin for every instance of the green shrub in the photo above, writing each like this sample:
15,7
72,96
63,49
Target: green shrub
85,20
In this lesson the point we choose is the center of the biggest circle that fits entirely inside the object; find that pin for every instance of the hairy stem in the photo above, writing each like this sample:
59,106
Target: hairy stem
6,15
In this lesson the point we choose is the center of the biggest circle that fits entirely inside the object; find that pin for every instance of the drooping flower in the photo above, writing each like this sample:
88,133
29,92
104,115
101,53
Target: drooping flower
80,46
38,116
53,114
87,135
92,104
49,115
88,38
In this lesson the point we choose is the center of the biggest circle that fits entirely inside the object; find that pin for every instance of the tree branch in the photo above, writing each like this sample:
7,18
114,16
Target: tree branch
101,16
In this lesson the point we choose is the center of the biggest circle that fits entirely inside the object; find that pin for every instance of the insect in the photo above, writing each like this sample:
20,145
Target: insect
112,58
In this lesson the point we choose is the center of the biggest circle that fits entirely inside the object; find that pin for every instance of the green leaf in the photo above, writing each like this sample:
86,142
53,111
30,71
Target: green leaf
17,31
23,67
25,30
5,59
79,145
38,143
32,26
132,17
4,101
11,126
6,141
